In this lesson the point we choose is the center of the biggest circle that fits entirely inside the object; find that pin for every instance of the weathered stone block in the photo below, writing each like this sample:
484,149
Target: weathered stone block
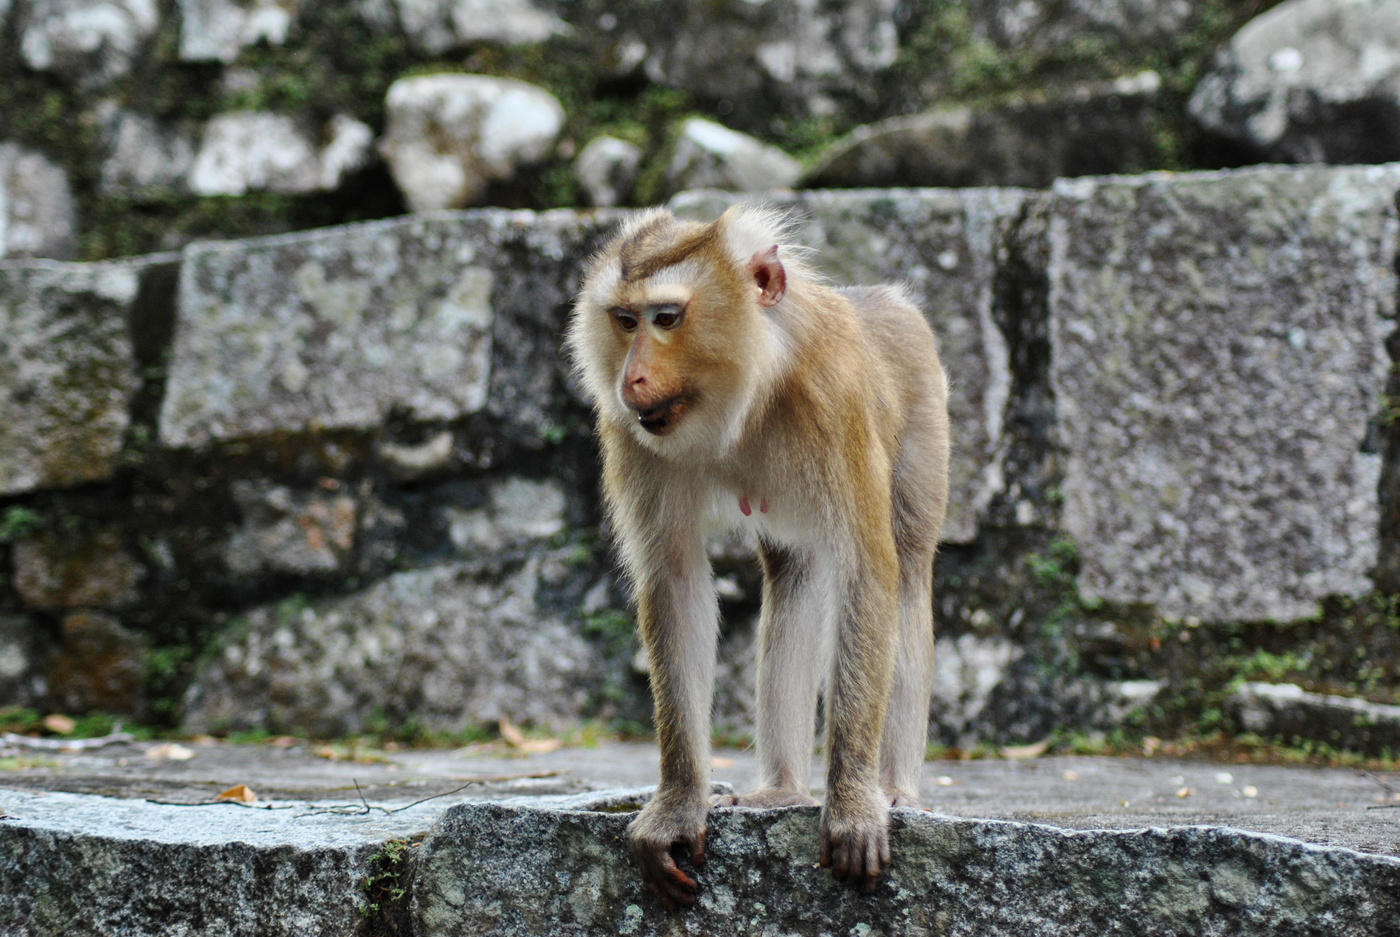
246,151
142,155
607,169
710,155
1286,712
446,647
431,317
509,869
67,371
75,570
1217,358
1028,141
98,665
218,30
82,864
36,205
89,42
331,329
20,681
436,26
939,243
761,60
1309,81
1044,27
287,531
516,510
449,136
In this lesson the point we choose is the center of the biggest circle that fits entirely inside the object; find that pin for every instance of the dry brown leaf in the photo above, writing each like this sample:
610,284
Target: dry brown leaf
169,751
59,724
511,734
241,793
1025,752
516,739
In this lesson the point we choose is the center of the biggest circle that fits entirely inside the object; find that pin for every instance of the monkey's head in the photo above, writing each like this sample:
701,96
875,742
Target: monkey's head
677,328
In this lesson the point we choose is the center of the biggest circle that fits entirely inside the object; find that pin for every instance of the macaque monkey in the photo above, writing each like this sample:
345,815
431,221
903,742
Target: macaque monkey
733,387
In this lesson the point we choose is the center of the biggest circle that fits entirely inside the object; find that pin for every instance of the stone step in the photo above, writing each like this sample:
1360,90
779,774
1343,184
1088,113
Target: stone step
499,869
534,845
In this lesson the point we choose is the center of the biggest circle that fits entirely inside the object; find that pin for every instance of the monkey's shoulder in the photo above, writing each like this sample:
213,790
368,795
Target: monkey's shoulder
878,297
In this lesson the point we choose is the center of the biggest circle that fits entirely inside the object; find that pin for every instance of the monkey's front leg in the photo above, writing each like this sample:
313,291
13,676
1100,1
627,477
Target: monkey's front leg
855,817
678,614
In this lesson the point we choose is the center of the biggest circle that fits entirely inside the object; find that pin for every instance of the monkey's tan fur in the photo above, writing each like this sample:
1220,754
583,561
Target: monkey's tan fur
734,388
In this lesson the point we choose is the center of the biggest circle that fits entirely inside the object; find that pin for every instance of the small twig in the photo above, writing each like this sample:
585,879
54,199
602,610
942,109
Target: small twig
65,745
364,806
216,803
1384,784
360,791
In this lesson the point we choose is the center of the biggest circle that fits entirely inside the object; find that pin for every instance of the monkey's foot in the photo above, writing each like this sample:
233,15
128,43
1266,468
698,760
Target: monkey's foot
899,798
659,836
766,798
855,842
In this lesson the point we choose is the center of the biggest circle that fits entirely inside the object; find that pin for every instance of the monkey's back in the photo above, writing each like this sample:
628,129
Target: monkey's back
899,335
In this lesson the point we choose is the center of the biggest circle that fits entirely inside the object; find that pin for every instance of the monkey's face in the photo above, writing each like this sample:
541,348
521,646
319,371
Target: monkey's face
666,332
675,358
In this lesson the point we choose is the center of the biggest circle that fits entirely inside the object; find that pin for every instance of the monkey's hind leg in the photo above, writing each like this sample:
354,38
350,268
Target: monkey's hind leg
854,828
794,638
905,738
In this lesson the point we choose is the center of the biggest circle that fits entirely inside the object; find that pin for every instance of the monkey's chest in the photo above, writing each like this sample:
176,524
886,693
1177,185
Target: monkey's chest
778,516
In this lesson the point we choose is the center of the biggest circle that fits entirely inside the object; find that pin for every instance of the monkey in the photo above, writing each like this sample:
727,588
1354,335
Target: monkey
733,386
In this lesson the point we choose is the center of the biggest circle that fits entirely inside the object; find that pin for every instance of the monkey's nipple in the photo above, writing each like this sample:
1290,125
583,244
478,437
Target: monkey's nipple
746,509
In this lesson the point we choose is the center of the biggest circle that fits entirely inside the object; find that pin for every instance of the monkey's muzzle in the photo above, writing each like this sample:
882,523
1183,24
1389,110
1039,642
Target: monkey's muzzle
661,418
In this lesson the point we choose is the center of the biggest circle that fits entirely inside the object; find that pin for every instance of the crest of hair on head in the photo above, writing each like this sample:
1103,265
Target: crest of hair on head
753,227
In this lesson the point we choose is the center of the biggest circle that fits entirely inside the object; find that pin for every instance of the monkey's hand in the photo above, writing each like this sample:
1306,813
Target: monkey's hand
855,838
663,832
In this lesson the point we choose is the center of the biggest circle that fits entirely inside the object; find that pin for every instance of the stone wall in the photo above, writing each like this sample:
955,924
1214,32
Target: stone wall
342,481
134,126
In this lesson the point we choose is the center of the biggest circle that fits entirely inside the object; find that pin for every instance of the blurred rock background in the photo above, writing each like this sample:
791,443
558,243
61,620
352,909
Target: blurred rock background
340,481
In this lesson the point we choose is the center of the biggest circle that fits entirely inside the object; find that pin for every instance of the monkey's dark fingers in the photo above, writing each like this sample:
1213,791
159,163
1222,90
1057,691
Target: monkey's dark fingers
857,860
665,896
835,856
665,879
877,859
697,850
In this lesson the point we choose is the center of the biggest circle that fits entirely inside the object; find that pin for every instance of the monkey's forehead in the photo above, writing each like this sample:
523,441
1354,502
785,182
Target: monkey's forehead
674,284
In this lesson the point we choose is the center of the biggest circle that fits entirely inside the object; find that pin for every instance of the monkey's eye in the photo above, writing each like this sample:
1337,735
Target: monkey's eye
625,320
667,315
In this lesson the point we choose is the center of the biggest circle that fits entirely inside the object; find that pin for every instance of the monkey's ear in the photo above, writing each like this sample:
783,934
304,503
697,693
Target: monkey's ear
769,276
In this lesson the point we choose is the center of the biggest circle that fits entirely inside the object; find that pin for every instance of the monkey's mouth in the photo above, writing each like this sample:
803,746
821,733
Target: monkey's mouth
661,418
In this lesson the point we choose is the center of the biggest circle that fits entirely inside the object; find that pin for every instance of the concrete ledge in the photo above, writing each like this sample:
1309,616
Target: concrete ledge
509,844
497,869
82,864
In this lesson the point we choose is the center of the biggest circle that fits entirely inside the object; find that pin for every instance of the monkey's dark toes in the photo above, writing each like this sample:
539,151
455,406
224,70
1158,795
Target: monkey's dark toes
666,880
